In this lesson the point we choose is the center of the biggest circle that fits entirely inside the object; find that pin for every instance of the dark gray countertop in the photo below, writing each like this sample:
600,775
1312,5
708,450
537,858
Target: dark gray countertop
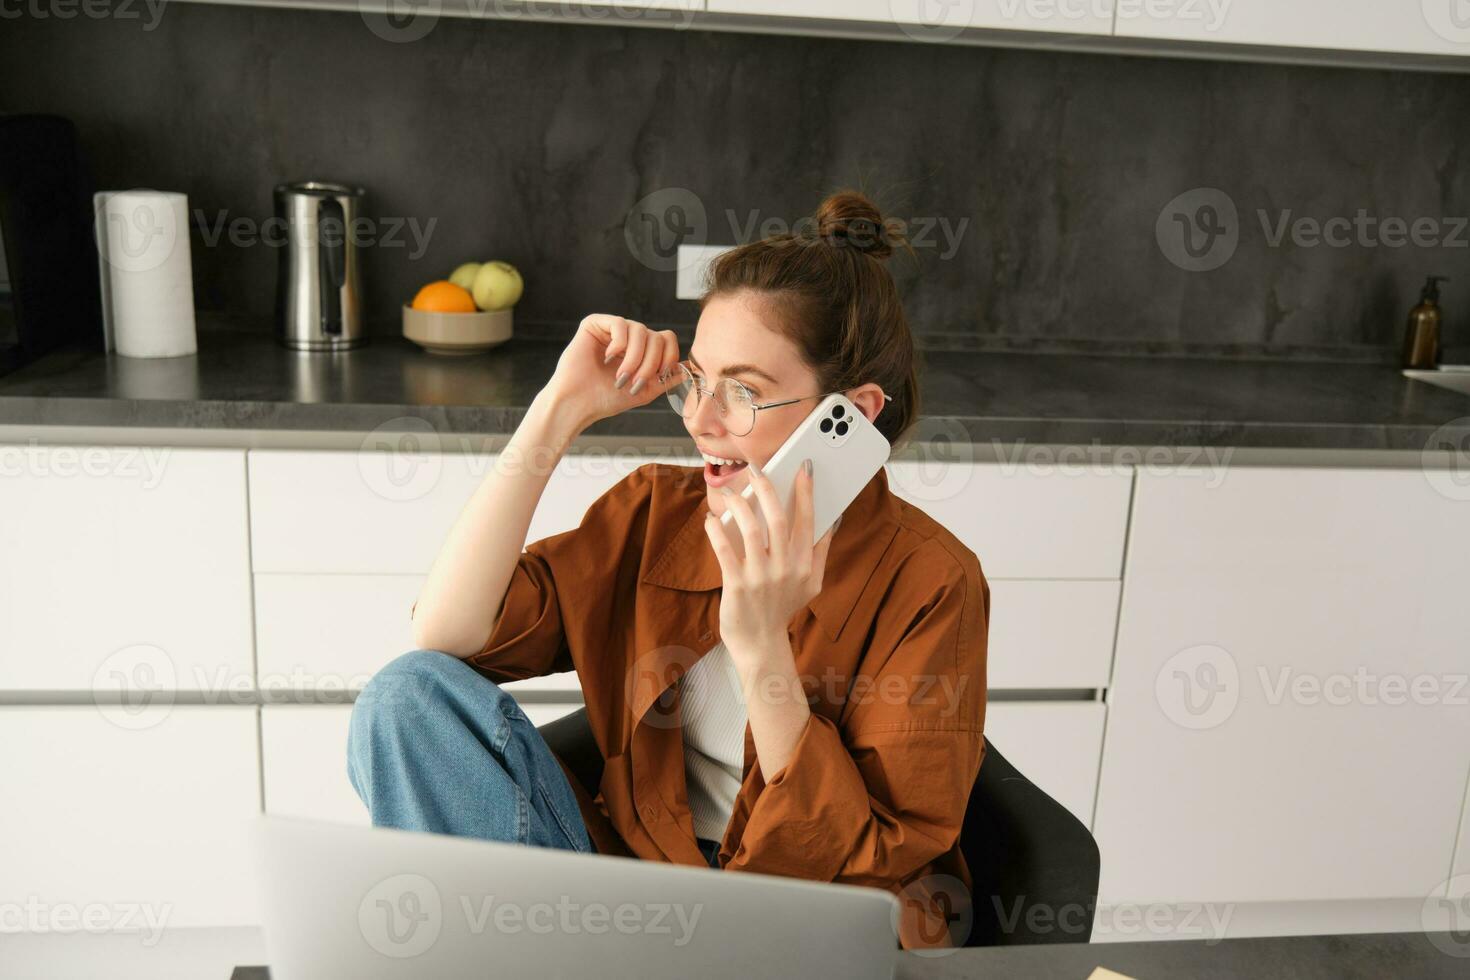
241,379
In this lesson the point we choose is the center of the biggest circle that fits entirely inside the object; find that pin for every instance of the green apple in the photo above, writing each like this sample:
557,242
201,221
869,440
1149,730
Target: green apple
464,276
497,286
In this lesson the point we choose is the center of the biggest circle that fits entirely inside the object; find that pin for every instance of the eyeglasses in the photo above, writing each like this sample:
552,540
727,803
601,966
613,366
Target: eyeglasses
736,403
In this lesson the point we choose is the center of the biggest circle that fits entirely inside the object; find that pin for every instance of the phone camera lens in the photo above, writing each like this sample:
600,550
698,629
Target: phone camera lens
842,428
826,425
837,411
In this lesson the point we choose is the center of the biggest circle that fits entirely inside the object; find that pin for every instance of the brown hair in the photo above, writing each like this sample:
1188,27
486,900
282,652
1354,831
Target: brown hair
830,293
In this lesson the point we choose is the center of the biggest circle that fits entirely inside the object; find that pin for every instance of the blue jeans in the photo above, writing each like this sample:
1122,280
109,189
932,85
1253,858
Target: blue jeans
434,745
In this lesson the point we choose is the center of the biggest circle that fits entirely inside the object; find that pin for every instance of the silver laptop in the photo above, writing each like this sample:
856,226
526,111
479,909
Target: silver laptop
345,901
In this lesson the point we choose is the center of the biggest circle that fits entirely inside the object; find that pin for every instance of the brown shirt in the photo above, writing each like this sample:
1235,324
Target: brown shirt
891,654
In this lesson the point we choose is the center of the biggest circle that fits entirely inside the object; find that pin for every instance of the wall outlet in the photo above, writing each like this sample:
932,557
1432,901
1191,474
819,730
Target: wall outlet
694,263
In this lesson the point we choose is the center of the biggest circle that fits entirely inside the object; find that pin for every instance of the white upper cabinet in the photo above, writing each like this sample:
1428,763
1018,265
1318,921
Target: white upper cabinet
1404,26
941,19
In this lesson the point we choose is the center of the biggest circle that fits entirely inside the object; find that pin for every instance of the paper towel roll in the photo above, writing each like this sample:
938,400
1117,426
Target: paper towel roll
147,273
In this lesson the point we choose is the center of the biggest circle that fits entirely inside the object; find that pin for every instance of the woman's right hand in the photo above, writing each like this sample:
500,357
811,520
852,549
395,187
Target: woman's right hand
605,346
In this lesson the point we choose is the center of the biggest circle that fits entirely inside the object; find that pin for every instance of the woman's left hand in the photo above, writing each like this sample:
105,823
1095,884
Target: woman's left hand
769,584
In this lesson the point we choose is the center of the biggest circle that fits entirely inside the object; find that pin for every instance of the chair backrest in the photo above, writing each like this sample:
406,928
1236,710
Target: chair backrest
1035,867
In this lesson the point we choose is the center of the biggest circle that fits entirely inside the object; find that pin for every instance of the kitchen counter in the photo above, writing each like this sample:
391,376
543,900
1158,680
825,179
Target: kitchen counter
242,380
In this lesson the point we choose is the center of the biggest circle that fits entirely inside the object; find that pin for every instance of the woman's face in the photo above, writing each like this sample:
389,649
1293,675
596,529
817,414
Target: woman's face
732,341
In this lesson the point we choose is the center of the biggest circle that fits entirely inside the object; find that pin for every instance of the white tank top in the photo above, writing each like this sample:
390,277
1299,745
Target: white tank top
713,710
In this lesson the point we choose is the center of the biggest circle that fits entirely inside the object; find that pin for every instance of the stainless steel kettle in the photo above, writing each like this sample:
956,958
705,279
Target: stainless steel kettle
318,292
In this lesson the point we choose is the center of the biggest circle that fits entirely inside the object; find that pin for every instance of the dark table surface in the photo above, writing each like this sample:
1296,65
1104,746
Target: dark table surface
241,379
1365,956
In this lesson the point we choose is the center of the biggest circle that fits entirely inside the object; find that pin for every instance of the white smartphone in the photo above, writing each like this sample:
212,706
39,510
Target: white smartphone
846,451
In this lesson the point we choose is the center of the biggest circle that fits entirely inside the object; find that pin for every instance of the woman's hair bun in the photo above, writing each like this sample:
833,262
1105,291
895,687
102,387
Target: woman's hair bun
848,219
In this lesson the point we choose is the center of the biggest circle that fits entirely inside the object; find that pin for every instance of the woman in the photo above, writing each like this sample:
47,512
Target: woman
795,707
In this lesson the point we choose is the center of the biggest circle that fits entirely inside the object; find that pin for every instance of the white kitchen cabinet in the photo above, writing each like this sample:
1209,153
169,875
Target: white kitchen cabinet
1461,864
1051,634
1288,718
144,816
925,19
333,632
304,755
1054,744
1437,27
1025,521
123,566
388,513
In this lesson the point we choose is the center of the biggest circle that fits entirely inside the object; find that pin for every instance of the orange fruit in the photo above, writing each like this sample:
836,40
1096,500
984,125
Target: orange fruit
444,296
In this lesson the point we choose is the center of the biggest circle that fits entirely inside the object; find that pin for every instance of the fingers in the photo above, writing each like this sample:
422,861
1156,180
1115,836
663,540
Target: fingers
774,512
724,551
662,354
634,344
819,559
648,356
610,329
804,509
671,358
750,526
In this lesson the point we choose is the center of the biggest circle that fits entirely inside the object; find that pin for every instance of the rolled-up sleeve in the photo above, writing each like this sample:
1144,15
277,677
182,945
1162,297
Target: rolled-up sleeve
529,639
876,796
566,576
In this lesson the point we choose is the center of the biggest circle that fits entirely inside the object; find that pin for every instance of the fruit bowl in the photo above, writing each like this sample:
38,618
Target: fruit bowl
456,333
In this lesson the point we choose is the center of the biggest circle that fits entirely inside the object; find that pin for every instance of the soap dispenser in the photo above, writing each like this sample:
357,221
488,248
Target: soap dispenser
1421,338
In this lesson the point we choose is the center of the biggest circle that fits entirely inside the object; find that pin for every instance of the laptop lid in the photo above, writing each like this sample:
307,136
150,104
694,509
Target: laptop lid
339,900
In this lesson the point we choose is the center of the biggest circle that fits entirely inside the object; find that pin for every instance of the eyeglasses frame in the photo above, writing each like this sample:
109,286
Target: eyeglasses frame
700,391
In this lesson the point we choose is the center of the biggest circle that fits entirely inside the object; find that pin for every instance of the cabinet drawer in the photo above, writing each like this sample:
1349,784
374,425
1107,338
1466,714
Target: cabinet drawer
1025,522
333,632
151,815
304,754
1057,745
1051,633
108,548
385,512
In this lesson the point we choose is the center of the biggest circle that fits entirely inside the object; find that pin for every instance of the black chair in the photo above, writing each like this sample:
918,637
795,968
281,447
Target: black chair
1034,865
